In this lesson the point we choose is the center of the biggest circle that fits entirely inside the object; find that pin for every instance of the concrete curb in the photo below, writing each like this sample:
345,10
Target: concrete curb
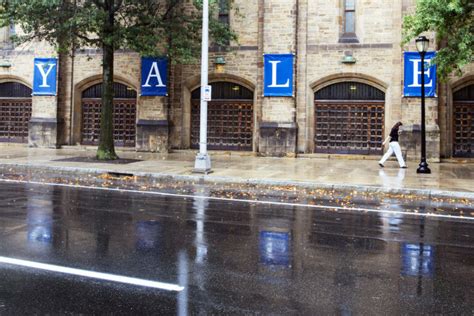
429,194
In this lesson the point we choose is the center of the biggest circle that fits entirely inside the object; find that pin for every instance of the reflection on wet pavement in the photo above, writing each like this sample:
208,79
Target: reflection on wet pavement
230,257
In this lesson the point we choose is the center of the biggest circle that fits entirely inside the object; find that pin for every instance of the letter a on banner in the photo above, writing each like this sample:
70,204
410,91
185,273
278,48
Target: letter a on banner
278,75
154,76
45,76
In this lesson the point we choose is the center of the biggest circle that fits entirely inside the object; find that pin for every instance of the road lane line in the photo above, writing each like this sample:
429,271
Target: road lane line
190,196
92,274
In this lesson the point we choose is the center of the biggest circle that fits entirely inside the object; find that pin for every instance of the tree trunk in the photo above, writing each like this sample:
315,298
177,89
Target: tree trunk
106,150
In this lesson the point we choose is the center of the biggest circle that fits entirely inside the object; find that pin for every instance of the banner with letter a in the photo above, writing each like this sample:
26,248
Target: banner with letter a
154,76
45,76
412,77
278,75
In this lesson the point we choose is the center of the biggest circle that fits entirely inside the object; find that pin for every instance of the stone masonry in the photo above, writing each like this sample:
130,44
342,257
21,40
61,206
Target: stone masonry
282,126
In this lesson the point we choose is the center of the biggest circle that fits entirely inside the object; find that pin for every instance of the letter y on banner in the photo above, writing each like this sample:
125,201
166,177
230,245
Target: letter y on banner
45,76
154,76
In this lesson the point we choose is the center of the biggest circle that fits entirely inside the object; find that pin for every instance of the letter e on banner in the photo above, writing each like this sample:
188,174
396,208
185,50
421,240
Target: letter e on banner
45,76
412,75
154,76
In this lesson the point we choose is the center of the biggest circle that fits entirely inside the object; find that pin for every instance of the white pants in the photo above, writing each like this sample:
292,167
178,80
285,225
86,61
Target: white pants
394,147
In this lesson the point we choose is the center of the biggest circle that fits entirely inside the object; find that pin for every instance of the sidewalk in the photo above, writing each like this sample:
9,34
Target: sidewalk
447,180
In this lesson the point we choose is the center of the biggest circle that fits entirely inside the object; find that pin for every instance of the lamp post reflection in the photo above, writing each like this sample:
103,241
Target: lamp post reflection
40,220
200,205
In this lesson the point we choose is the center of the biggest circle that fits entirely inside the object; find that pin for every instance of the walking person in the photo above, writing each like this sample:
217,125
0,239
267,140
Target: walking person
394,147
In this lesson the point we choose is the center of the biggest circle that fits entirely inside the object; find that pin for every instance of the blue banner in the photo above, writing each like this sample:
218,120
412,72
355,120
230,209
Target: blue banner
418,259
278,75
275,248
45,76
154,76
412,77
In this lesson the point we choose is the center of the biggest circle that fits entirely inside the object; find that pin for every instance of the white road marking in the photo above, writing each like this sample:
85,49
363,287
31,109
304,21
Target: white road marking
92,274
322,207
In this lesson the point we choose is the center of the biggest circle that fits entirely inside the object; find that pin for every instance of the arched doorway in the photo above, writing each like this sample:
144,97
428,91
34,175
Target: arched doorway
230,117
463,122
349,119
125,105
15,112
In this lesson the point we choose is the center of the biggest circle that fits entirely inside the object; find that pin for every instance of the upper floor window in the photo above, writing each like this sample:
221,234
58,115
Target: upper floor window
224,18
224,11
6,33
349,22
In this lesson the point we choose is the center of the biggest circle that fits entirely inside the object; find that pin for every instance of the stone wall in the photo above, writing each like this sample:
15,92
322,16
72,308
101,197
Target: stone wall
311,29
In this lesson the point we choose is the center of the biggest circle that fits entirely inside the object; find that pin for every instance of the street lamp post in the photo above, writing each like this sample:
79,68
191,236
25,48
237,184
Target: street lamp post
202,163
422,44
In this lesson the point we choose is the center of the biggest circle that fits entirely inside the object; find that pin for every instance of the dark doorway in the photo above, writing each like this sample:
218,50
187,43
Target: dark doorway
15,112
230,117
125,106
463,122
349,119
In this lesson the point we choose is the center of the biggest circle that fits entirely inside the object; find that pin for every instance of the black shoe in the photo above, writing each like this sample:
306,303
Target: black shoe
404,167
381,165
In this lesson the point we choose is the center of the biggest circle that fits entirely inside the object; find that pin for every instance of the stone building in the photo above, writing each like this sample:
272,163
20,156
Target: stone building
348,78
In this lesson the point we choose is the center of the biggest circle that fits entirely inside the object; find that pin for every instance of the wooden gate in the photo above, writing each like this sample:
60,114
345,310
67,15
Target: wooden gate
230,117
124,117
15,112
349,119
463,122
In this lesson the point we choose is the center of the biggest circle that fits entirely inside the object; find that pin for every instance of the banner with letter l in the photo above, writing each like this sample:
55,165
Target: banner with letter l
278,75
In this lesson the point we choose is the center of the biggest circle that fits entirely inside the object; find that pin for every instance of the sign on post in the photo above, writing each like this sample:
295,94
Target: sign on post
412,76
206,93
45,76
278,75
154,76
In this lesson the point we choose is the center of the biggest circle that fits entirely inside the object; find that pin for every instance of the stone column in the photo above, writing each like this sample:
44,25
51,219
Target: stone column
152,124
43,126
278,131
302,100
411,112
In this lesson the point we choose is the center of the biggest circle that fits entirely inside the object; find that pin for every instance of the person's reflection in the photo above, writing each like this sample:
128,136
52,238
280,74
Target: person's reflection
395,182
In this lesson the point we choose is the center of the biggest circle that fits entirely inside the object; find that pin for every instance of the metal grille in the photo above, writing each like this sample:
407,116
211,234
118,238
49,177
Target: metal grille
349,127
463,129
124,121
14,117
15,112
230,124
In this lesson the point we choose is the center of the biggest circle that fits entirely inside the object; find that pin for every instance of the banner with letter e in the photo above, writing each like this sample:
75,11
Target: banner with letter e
412,76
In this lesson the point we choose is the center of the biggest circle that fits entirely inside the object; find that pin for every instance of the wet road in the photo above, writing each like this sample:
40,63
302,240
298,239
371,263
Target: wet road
229,257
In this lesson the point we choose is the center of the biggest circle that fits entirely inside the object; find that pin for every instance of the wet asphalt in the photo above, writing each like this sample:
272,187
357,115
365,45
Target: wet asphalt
230,257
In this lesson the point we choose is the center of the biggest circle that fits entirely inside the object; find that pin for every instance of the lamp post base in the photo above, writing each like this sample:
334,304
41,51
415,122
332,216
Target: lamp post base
202,164
423,168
